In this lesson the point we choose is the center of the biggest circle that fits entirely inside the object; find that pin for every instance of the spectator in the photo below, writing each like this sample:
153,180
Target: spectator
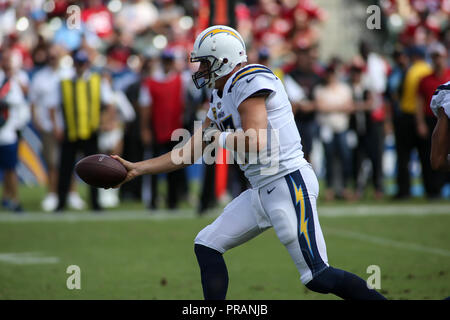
44,84
18,55
334,104
375,72
80,100
170,13
407,138
300,83
375,80
162,113
14,114
304,15
270,28
97,18
394,87
425,119
39,54
421,30
73,38
118,54
110,138
22,58
136,16
368,133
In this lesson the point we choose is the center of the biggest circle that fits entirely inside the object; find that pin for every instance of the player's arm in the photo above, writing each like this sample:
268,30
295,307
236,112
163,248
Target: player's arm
440,143
254,124
185,156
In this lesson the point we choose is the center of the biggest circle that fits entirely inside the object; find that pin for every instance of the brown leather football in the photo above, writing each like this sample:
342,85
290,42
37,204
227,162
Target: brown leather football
101,171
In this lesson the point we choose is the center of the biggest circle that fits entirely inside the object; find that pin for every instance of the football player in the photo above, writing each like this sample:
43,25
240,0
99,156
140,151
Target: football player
251,98
440,140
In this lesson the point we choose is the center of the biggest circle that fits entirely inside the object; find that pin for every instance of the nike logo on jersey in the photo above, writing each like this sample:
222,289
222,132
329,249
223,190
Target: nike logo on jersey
250,79
270,191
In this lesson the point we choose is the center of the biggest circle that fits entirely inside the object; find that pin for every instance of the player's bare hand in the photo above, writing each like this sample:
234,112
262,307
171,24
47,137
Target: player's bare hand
132,169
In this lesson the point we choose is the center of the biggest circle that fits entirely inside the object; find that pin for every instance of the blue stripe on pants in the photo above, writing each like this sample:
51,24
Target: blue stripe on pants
305,219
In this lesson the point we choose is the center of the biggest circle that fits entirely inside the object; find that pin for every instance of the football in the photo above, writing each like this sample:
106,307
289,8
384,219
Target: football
101,171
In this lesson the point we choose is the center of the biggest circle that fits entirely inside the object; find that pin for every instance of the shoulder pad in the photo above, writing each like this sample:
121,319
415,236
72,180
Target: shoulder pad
441,88
246,71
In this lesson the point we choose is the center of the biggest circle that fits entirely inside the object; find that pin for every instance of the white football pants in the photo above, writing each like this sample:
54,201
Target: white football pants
289,205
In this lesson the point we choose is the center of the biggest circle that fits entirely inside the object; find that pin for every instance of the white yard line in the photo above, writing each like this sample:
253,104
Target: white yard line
23,258
95,217
387,242
384,210
325,211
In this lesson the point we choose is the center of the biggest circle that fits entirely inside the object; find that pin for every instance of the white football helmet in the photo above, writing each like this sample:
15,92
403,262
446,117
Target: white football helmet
223,48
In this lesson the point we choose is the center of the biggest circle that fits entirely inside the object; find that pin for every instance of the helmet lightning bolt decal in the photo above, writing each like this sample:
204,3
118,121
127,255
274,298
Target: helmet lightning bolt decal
299,198
216,31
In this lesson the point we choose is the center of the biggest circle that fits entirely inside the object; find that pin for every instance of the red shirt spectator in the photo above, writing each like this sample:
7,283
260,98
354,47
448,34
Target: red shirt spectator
270,25
18,48
99,20
167,109
422,29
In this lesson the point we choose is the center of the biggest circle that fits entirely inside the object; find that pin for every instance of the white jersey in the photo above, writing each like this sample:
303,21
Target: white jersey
224,113
44,86
441,98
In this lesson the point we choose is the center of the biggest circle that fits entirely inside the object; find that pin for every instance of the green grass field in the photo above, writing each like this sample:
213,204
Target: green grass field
130,253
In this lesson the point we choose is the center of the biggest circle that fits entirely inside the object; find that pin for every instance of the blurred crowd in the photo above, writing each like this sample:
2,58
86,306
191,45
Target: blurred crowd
112,76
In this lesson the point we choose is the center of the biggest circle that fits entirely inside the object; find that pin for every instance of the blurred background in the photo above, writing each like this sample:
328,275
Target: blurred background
376,64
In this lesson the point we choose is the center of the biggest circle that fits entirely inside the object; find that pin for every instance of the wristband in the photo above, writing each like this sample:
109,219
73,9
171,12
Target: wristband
223,138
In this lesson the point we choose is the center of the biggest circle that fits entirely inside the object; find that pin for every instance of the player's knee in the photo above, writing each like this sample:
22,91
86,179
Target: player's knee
287,235
200,249
204,253
203,236
325,281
